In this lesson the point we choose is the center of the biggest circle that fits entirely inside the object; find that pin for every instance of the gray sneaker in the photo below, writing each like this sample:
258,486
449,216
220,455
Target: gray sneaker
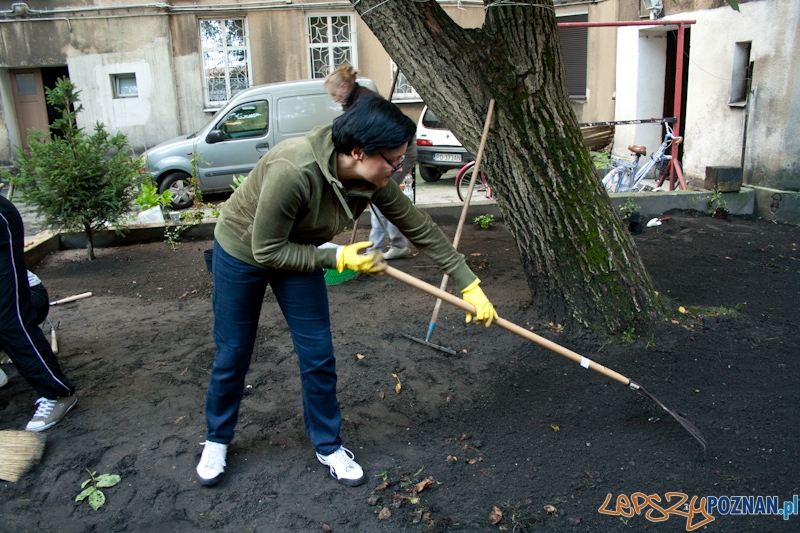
50,412
397,253
3,378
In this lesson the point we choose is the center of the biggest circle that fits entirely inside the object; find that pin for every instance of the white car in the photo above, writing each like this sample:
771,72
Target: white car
438,150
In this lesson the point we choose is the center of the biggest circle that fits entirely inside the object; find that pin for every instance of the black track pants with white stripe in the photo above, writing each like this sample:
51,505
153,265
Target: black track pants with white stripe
20,335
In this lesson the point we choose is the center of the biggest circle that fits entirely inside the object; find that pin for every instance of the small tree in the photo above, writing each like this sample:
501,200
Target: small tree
76,181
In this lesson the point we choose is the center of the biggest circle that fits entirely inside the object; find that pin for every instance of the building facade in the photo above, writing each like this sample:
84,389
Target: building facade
157,70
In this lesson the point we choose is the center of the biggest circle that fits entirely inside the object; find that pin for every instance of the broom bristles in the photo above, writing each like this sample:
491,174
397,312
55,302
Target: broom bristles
19,451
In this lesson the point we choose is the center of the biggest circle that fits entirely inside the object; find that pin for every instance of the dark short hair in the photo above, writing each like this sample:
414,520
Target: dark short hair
372,124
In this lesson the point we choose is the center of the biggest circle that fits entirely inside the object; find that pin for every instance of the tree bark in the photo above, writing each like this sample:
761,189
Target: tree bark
89,233
581,265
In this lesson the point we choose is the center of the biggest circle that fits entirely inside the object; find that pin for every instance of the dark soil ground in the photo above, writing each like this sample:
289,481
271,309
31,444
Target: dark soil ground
505,424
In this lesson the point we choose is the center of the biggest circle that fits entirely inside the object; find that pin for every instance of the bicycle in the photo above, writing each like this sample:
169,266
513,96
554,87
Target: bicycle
627,176
481,184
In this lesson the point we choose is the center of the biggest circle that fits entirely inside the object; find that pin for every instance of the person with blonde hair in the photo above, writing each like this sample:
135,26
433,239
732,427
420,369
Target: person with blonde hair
342,86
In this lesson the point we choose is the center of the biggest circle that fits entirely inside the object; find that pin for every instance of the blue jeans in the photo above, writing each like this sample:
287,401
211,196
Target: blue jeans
378,236
303,298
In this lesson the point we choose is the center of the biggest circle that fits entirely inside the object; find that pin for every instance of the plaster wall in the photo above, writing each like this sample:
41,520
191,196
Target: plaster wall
6,143
715,131
151,115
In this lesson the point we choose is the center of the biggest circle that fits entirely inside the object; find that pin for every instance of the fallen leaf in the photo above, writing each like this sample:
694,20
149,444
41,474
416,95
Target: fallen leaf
413,500
682,309
381,395
380,487
422,485
359,356
397,388
178,421
451,459
555,428
326,528
495,516
464,436
394,376
729,258
550,509
476,254
384,514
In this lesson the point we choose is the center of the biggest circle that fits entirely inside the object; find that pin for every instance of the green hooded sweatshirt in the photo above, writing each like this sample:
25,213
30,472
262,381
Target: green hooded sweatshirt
293,201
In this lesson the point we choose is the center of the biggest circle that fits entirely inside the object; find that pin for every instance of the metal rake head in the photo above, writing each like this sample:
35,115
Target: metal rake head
688,426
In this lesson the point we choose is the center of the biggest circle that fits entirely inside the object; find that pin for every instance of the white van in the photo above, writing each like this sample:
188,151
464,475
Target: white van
239,134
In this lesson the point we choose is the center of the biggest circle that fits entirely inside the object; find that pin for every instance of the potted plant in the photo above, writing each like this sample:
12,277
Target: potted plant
630,214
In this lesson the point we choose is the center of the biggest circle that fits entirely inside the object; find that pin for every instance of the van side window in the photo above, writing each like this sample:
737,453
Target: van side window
248,120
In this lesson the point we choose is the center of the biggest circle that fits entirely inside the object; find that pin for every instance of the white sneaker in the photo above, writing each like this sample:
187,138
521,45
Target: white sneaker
397,253
212,462
3,378
343,467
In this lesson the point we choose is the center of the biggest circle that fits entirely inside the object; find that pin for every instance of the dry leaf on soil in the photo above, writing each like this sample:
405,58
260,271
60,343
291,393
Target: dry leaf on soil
380,487
384,514
495,516
422,485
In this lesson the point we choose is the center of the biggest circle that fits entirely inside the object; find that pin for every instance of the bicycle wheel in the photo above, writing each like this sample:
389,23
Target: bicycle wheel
613,179
462,183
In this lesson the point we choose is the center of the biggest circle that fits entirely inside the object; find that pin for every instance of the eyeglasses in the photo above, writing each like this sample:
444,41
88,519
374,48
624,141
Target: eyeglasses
396,167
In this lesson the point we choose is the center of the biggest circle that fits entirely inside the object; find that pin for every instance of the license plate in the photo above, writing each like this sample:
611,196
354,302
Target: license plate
451,158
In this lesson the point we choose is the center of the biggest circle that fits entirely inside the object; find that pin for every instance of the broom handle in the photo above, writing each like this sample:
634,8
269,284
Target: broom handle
71,298
401,276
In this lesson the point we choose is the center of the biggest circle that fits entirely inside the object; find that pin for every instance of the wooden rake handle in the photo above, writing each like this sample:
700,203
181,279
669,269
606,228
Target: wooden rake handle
408,279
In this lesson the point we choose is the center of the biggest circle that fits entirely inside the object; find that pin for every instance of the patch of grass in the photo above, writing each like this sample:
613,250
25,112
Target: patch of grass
718,311
518,517
628,337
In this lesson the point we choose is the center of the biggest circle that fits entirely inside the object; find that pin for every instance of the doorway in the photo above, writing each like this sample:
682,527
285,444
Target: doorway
28,88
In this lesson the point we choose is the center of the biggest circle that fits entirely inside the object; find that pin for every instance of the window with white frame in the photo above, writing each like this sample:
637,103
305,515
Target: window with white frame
331,41
125,85
403,91
226,59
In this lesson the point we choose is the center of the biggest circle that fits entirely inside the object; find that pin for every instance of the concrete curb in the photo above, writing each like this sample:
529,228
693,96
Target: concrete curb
770,204
658,203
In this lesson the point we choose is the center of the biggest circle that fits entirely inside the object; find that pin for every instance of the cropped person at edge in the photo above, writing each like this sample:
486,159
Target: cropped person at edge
341,85
23,306
299,196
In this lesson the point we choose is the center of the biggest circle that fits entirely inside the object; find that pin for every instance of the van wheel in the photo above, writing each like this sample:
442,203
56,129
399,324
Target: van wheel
430,174
178,184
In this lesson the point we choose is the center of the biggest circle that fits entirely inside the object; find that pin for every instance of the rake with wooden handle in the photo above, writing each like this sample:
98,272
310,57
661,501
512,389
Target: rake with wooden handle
475,173
545,343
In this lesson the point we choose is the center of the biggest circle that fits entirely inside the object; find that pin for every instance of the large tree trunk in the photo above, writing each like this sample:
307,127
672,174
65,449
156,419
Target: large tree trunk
580,264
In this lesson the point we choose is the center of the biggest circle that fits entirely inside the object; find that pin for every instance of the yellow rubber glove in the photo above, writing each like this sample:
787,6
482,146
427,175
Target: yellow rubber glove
349,258
484,310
